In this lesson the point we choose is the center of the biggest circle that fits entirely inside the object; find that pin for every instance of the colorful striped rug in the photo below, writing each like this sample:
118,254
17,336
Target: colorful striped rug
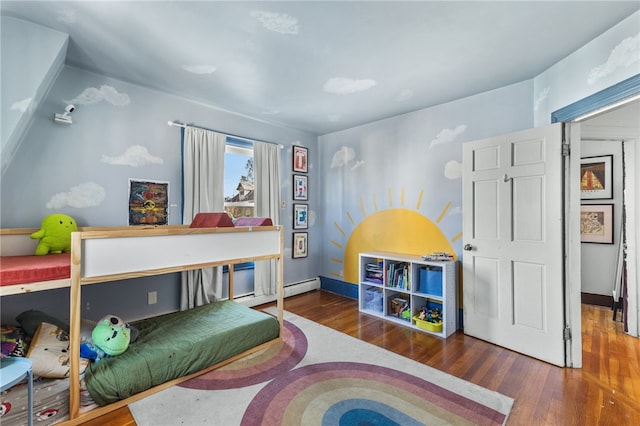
319,376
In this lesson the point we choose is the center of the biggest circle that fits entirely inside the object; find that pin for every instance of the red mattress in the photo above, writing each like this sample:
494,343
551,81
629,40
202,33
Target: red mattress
30,269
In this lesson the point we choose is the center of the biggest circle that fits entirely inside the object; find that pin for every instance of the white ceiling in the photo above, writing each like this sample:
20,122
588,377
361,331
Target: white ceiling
326,65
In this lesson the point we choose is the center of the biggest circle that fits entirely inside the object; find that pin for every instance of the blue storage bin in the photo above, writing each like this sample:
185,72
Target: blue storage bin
431,281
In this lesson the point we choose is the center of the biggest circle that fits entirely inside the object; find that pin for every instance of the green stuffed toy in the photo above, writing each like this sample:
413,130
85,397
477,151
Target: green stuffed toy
55,234
110,337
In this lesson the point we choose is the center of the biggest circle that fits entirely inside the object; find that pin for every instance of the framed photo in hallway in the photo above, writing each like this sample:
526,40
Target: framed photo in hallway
596,174
596,223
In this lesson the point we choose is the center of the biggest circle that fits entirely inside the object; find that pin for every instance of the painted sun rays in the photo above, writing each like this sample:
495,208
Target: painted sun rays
372,207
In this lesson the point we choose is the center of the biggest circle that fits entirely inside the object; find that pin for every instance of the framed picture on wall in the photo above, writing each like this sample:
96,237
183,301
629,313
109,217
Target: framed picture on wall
300,216
596,178
300,159
300,187
596,223
148,202
299,245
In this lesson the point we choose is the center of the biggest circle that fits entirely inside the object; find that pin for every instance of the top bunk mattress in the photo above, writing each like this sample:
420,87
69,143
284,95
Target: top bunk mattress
31,269
178,344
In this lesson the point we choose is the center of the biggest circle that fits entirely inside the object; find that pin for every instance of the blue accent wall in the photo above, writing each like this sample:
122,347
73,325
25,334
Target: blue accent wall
339,287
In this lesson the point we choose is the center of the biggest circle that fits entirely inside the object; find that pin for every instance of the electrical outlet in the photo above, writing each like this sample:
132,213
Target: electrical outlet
283,204
152,298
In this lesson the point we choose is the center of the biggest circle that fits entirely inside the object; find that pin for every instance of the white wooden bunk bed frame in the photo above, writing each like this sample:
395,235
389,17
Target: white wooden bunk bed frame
106,254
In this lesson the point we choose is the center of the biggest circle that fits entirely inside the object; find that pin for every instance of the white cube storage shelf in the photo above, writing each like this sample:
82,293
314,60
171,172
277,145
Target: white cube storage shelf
396,286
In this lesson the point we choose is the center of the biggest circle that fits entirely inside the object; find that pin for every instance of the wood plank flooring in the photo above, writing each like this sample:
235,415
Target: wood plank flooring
606,391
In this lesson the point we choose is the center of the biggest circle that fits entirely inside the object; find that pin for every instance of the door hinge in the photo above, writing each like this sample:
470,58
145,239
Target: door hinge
565,149
567,333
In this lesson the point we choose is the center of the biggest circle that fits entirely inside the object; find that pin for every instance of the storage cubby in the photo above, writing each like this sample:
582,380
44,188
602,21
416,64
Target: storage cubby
397,287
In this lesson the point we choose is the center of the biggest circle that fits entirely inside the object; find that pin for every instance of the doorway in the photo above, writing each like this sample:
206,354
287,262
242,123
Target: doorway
616,132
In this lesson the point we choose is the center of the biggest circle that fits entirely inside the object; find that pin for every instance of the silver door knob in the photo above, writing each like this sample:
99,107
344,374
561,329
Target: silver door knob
467,247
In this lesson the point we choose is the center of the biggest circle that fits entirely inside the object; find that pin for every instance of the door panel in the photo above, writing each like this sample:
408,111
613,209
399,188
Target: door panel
512,214
486,215
528,209
529,289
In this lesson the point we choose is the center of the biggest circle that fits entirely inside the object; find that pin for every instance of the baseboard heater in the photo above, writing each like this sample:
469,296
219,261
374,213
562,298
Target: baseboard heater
291,289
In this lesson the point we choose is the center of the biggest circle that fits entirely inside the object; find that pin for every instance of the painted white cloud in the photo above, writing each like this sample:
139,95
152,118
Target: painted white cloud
622,56
93,95
200,69
67,15
453,170
134,156
342,157
448,135
311,218
278,22
455,210
23,105
542,96
88,194
346,86
404,95
357,164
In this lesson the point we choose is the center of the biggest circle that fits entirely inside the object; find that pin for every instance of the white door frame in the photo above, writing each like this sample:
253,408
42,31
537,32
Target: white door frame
573,297
614,96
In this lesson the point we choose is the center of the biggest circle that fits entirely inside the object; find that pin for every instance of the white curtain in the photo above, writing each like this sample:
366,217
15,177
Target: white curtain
266,163
203,180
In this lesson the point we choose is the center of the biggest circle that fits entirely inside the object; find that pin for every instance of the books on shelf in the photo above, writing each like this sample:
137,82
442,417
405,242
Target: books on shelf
398,276
373,272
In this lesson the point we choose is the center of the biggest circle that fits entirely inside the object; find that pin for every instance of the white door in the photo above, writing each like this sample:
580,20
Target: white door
513,291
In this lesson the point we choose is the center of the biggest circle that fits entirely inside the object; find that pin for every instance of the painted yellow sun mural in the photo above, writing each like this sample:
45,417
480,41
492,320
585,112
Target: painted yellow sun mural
399,230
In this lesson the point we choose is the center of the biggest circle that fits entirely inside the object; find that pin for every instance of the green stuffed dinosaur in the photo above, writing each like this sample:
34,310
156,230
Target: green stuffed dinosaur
55,234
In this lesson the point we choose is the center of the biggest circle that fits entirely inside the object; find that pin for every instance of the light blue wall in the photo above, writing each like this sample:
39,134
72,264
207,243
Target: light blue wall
32,56
390,163
368,168
611,58
75,169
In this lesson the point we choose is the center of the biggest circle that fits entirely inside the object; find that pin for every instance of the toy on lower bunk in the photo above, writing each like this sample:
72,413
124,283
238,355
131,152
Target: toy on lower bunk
55,234
110,337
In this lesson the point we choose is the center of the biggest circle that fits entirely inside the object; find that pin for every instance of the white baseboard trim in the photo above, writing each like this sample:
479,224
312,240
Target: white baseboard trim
292,289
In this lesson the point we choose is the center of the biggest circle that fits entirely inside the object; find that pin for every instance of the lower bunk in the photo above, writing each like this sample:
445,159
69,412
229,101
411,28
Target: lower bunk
169,348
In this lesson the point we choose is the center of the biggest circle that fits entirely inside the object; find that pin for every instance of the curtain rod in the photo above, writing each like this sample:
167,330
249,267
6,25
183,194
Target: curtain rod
184,126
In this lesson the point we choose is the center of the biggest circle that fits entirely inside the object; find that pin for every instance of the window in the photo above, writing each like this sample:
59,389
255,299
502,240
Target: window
239,178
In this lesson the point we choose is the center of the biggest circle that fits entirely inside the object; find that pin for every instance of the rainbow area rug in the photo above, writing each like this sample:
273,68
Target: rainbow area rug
322,377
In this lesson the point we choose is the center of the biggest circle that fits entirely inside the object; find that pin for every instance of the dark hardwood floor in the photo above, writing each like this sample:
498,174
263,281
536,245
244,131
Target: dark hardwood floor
606,391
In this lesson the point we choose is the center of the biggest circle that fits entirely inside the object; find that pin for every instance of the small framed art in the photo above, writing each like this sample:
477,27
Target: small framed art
300,187
300,214
596,223
148,202
299,245
596,178
300,159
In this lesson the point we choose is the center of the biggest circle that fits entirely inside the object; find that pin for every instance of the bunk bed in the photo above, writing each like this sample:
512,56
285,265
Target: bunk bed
108,254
